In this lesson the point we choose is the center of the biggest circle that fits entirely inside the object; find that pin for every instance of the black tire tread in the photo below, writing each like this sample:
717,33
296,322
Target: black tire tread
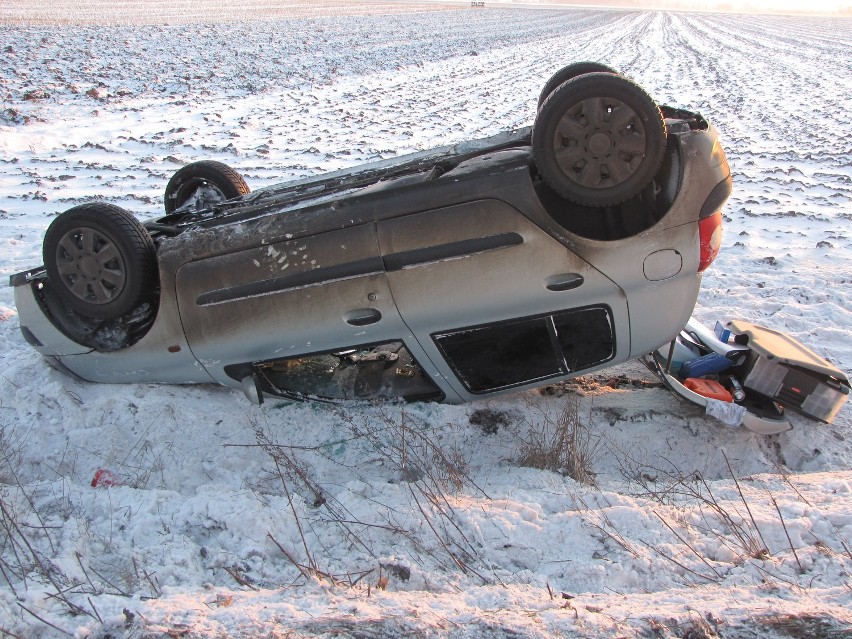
142,260
226,179
542,146
570,72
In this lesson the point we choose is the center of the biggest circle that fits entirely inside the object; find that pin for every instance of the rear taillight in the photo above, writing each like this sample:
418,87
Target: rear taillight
710,238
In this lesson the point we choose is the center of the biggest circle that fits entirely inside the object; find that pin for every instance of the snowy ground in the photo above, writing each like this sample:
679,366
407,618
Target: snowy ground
300,520
195,12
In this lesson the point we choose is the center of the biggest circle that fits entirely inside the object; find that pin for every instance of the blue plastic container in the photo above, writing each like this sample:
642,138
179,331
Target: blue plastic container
704,365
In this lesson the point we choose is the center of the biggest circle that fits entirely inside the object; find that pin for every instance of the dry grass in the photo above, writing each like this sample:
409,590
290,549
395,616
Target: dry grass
734,528
562,444
806,626
430,472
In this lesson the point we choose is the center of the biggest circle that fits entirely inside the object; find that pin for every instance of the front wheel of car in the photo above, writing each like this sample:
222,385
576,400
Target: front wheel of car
100,260
203,184
598,139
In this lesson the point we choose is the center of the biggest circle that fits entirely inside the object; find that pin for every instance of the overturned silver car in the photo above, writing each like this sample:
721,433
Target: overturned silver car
451,274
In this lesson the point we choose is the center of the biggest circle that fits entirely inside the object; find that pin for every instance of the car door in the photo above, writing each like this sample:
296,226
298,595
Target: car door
319,294
495,302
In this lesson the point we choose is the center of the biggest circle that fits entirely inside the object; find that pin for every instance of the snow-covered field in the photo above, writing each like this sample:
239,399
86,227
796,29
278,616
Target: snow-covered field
302,520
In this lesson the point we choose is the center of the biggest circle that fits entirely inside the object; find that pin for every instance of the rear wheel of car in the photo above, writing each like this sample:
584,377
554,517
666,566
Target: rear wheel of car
598,139
569,73
203,184
100,260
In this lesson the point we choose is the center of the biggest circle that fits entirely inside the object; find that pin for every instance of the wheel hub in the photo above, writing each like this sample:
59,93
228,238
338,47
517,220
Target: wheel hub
599,143
89,267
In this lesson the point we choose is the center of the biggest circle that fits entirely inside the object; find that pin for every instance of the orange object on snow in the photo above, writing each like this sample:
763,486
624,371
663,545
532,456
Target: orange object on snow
708,388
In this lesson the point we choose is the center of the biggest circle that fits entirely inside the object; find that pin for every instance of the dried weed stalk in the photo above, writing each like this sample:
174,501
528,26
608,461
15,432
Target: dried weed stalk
817,625
23,561
404,443
431,471
29,539
738,531
562,444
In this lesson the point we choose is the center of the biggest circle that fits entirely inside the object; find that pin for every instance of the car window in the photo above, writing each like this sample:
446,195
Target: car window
585,337
506,354
511,353
376,371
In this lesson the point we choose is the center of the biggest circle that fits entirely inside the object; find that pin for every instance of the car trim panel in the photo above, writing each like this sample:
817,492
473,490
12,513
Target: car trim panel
316,277
370,266
453,250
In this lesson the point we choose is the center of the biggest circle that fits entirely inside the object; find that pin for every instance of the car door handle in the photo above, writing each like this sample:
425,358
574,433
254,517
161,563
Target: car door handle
563,281
362,316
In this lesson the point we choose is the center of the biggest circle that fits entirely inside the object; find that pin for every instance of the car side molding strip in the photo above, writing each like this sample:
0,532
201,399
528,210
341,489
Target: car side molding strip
360,268
315,277
452,250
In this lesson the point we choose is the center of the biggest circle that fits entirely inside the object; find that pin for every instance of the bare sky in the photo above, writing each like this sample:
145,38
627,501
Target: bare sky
815,6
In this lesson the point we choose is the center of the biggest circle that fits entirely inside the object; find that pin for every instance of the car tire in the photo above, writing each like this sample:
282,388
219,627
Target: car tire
223,183
598,139
100,260
569,73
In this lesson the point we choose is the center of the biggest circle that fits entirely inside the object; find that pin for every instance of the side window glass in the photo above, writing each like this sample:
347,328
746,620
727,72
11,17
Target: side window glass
505,354
378,371
585,337
500,355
